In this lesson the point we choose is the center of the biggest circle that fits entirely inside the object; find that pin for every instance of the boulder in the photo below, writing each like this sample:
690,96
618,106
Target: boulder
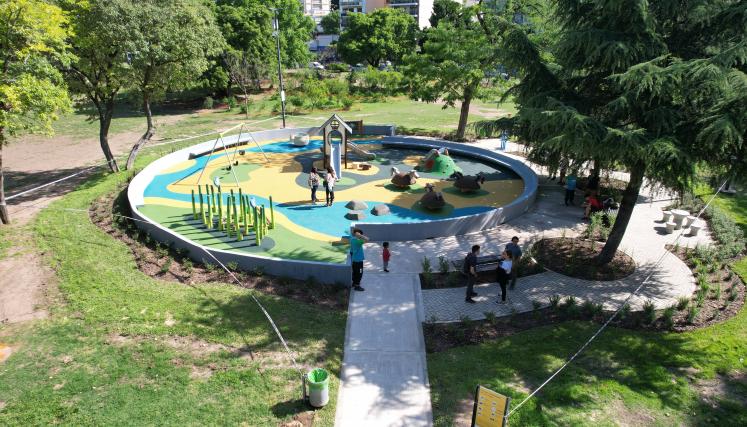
356,205
380,210
355,215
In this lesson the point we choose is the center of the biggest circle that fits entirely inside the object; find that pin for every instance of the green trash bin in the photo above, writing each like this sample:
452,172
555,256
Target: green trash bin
318,385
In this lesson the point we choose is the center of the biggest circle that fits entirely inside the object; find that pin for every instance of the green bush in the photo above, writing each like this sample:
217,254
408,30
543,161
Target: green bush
337,67
730,237
443,264
554,301
649,312
682,303
208,103
692,313
668,317
382,83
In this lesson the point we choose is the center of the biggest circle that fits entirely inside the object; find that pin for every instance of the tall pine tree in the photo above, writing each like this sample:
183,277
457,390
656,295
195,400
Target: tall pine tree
619,87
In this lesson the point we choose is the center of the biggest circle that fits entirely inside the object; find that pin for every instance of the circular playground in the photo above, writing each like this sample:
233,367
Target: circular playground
248,194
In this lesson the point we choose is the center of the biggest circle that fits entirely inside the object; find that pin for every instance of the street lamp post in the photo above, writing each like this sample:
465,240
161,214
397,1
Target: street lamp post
276,33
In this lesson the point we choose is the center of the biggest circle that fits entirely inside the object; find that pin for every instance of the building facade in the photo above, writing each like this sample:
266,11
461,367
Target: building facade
316,9
421,10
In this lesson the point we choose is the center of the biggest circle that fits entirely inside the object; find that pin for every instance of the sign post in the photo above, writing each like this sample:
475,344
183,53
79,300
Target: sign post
491,408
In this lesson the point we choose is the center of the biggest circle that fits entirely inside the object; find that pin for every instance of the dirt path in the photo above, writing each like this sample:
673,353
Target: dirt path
25,280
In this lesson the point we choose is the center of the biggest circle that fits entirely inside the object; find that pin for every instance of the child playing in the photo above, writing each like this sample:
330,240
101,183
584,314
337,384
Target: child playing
385,254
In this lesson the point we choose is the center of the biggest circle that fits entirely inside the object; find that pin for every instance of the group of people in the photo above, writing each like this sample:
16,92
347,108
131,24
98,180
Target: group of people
506,273
328,181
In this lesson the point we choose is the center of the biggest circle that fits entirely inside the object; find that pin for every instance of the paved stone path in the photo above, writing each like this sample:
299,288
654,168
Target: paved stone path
384,374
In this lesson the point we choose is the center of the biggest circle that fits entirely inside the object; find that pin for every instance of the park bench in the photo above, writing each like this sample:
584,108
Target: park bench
484,263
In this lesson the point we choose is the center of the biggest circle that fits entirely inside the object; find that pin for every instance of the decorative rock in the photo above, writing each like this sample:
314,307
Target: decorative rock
356,205
301,140
355,215
380,210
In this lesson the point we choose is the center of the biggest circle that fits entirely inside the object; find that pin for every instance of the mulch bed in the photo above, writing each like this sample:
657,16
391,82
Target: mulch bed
576,257
714,307
164,263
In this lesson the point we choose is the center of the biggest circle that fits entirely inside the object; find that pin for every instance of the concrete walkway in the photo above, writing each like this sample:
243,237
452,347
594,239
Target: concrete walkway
384,374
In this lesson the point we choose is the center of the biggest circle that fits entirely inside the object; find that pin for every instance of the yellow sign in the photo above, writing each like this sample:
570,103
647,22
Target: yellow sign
490,408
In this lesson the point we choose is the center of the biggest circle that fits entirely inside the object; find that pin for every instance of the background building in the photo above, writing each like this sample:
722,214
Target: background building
317,9
421,10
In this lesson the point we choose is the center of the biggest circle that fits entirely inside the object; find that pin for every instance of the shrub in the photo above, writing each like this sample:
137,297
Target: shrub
692,313
454,278
570,306
682,303
258,271
587,308
209,267
208,103
717,292
188,265
668,317
700,297
337,67
649,312
733,292
426,265
536,305
625,311
166,266
730,237
233,265
443,264
490,317
554,301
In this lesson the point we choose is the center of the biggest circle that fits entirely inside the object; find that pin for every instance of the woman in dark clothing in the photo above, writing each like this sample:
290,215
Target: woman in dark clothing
504,274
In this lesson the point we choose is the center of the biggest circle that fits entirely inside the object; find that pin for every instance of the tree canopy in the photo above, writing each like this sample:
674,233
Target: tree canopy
331,23
650,86
385,34
169,50
32,91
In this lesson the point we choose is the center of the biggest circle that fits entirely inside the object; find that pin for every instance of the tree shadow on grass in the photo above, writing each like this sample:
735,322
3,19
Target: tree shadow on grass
643,363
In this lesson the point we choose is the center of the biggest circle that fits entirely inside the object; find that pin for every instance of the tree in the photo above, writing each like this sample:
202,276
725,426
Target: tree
385,34
244,72
455,59
102,35
169,51
32,92
637,84
331,23
449,10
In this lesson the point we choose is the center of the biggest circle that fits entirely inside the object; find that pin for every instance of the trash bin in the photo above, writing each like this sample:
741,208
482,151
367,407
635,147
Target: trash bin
318,385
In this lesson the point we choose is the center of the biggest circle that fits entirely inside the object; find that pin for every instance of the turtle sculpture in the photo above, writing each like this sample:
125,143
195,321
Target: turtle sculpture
404,180
468,183
432,199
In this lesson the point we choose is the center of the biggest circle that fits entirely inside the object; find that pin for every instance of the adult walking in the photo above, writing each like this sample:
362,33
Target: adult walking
505,268
470,270
330,178
570,189
515,251
313,184
357,257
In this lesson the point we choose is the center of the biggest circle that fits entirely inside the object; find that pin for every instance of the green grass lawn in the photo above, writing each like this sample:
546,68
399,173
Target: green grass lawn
624,377
172,123
123,348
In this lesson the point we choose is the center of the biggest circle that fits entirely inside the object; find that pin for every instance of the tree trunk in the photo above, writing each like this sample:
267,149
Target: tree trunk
464,113
246,105
630,197
105,120
4,215
146,136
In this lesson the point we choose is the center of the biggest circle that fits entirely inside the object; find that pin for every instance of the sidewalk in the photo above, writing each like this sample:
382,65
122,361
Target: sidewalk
384,380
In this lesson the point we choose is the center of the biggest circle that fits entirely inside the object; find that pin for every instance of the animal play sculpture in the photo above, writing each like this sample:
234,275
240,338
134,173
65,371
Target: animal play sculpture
468,183
432,199
404,180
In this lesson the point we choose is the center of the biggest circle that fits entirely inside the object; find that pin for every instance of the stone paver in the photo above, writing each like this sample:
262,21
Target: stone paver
384,374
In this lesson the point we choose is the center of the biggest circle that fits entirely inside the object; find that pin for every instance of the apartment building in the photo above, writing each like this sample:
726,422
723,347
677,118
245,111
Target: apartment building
421,10
316,9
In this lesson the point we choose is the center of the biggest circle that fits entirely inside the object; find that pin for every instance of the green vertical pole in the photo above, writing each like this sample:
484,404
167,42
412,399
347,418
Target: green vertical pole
194,207
233,203
212,196
209,223
202,207
272,215
241,206
256,231
264,221
246,222
239,237
229,223
220,211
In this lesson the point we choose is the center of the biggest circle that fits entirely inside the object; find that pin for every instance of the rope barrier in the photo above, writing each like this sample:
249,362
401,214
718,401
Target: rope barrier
233,276
614,315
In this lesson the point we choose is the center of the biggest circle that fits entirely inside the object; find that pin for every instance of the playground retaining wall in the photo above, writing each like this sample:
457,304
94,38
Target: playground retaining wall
323,272
461,225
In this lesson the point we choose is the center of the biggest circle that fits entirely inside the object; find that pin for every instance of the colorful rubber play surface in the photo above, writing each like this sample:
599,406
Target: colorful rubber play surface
304,231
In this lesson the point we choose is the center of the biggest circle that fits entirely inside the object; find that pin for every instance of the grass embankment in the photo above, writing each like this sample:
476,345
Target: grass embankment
124,348
624,377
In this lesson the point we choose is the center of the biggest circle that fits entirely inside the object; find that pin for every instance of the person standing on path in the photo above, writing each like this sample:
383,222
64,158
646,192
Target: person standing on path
505,267
385,256
570,189
313,184
357,257
329,185
515,251
470,269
